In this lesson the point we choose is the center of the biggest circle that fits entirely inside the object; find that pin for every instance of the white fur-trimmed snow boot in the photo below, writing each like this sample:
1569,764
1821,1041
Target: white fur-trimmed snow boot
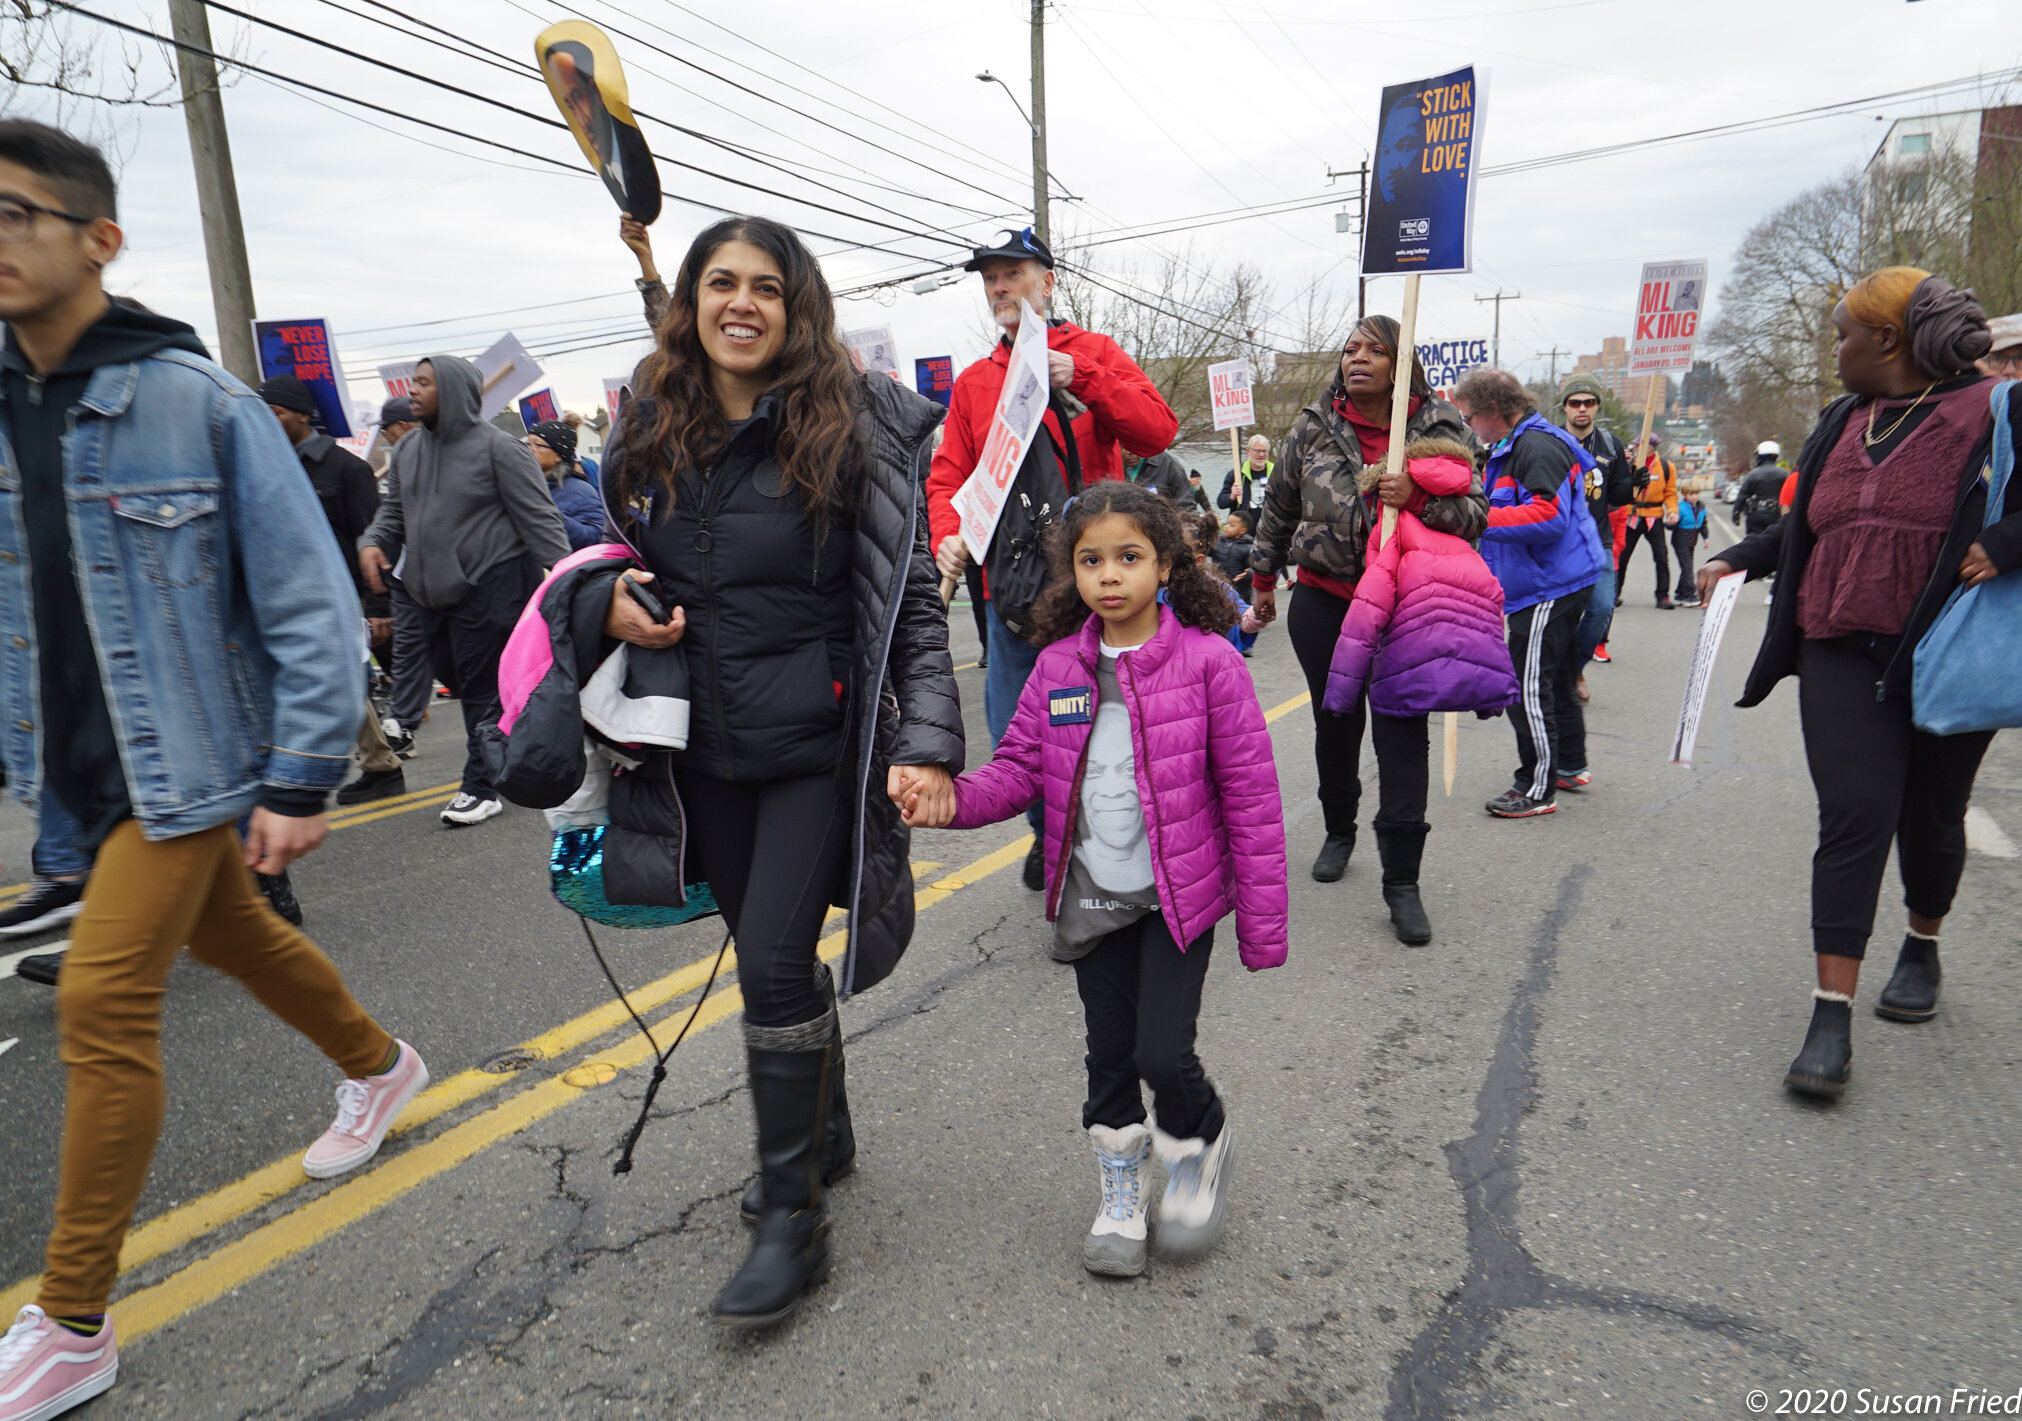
1196,1198
1115,1245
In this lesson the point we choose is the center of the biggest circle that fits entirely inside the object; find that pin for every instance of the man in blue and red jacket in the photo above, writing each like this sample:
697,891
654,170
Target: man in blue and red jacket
1544,548
1120,412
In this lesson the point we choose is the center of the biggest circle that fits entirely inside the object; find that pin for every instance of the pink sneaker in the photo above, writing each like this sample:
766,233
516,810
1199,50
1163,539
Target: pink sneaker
46,1369
365,1112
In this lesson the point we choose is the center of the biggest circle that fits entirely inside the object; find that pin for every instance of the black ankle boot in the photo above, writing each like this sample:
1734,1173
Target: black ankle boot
1401,850
1823,1065
1333,858
1912,993
789,1245
839,1152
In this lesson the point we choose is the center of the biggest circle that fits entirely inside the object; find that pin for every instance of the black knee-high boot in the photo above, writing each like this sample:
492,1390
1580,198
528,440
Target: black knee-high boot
839,1152
1401,850
792,1071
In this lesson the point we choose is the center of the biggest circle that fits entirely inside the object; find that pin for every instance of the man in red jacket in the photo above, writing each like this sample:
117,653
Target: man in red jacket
1115,409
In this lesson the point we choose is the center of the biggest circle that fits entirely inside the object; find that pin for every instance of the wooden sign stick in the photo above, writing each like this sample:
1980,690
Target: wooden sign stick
1393,463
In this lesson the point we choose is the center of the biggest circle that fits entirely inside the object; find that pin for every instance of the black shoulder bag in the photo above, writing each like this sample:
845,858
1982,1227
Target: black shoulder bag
1016,567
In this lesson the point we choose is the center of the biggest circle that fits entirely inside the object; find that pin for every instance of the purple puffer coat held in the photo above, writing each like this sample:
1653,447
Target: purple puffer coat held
1205,777
1425,631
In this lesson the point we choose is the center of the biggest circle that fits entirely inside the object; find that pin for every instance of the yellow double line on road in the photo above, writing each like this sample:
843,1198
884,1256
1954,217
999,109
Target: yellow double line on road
259,1250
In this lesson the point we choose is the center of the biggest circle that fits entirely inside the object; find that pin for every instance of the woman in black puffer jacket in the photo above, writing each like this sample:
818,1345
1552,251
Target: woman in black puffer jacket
774,495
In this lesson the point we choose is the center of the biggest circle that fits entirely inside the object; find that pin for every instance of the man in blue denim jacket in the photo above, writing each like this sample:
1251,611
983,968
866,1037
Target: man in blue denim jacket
179,647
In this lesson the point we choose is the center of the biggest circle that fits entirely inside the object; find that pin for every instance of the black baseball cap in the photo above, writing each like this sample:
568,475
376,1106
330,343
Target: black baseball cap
396,411
1018,246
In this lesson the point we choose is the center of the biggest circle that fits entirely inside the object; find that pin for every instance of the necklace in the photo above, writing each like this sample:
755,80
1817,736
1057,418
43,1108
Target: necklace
1871,438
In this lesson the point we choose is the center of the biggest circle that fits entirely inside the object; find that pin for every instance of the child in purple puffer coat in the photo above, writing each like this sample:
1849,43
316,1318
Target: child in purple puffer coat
1140,728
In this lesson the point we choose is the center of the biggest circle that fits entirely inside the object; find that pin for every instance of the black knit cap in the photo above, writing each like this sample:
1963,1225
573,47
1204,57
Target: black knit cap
558,437
287,393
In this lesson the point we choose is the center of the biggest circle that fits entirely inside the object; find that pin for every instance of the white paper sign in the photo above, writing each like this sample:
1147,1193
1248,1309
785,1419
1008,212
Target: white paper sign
1021,408
399,378
873,349
507,369
1712,627
1669,299
614,394
1229,391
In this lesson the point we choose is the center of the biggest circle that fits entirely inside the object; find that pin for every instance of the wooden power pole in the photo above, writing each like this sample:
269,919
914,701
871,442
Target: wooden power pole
1040,221
217,192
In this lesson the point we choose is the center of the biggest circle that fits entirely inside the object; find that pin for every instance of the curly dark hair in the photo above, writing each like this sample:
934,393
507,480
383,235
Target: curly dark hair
815,440
1195,598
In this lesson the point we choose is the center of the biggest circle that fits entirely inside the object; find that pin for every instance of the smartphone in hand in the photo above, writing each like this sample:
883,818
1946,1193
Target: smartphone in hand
643,594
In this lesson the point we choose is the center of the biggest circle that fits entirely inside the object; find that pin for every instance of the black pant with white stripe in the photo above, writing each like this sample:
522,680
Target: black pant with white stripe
1551,731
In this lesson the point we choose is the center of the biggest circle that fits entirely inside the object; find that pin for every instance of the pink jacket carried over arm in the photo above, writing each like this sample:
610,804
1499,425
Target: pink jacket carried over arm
1207,782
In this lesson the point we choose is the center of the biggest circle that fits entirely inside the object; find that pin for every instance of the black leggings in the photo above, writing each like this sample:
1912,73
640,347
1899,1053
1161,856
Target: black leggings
1402,744
1141,997
1879,780
774,852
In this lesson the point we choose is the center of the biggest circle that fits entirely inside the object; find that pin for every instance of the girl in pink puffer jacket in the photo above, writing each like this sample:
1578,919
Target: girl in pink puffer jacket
1140,728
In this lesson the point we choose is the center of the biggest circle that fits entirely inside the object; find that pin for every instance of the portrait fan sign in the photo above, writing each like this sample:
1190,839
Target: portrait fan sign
1421,198
588,84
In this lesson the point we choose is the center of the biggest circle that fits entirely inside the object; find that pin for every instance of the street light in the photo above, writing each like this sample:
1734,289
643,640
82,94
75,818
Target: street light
986,77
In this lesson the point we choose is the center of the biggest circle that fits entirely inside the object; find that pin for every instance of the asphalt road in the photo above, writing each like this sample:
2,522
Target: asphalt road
1543,1166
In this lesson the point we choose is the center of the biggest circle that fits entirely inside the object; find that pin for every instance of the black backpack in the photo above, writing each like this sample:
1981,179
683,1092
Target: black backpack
1016,566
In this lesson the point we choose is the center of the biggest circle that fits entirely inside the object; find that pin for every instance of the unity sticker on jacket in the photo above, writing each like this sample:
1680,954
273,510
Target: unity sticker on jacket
588,84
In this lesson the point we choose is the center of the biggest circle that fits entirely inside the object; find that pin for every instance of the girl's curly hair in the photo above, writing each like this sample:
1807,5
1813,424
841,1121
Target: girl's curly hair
1196,599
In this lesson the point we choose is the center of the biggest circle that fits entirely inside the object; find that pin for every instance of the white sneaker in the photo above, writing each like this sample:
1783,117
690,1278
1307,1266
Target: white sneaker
1196,1198
1115,1244
469,809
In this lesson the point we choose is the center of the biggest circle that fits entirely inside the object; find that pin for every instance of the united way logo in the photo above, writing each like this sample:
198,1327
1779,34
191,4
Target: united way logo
1414,229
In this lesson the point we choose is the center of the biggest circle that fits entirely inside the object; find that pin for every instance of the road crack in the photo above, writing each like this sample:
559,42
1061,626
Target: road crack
1502,1277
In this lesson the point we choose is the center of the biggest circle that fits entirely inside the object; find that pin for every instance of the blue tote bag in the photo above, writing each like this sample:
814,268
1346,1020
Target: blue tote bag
1964,675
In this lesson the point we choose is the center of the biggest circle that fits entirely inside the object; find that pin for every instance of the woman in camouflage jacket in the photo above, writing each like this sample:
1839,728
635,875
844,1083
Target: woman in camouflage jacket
1317,516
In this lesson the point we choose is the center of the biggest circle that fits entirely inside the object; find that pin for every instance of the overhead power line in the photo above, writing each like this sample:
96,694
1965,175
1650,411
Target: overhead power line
573,168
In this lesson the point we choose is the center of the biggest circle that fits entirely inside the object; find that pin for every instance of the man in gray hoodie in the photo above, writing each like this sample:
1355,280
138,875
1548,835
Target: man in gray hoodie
465,529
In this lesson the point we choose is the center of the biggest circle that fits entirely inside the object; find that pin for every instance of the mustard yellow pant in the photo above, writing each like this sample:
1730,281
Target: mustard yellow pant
144,902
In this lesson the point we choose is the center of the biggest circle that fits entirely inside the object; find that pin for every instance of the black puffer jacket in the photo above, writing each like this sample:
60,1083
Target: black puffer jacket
901,705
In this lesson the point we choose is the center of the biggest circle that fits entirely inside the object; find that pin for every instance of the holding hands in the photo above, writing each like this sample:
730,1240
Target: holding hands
925,795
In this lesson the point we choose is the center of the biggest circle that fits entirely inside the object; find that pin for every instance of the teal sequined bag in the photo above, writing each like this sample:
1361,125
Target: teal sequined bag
576,877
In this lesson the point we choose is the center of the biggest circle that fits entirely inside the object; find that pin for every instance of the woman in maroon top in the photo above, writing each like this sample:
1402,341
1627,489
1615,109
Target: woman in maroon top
1886,522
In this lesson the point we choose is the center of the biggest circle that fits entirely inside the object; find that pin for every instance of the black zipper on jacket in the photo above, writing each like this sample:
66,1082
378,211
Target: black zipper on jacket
706,543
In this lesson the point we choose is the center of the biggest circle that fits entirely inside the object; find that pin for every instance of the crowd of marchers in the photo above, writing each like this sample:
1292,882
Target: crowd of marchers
720,661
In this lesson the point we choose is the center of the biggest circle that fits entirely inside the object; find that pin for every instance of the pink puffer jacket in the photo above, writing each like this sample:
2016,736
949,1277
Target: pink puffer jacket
1205,777
1425,631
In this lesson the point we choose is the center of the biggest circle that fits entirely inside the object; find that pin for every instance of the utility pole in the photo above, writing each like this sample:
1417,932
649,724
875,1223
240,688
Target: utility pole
217,192
1495,352
1361,176
1040,221
1555,353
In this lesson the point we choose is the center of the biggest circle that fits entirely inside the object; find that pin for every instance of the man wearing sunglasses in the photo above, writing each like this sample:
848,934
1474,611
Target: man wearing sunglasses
1610,486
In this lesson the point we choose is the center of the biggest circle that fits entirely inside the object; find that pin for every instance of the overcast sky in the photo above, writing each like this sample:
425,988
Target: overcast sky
1159,109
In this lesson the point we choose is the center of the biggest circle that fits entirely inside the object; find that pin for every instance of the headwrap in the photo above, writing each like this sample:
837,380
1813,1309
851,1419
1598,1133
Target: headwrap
287,393
1946,328
558,437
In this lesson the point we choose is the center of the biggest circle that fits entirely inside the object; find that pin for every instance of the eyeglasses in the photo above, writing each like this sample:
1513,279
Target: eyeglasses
1583,404
17,218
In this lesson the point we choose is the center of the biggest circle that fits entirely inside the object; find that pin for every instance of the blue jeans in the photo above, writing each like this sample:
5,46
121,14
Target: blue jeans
1595,620
1011,661
59,851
